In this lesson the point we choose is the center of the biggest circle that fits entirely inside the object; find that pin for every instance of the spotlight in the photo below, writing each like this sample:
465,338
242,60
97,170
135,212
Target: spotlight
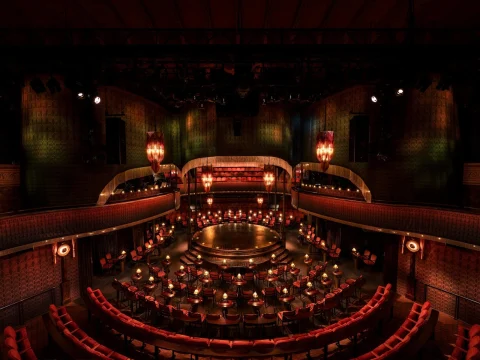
81,95
399,92
374,99
53,85
97,100
37,85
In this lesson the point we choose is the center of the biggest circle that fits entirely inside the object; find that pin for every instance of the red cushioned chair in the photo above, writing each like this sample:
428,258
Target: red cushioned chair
269,293
335,254
135,256
106,266
301,284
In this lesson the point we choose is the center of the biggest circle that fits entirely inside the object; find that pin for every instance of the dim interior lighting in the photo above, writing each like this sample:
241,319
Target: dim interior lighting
155,149
123,252
139,271
81,95
270,271
97,100
170,286
182,267
167,257
224,296
325,276
224,261
255,295
151,279
63,250
205,273
199,257
250,261
239,276
273,256
374,99
309,284
412,245
292,265
335,267
285,291
195,292
306,256
354,250
399,92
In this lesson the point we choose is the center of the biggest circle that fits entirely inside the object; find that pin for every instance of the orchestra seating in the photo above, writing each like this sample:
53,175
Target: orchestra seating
467,345
73,340
398,346
368,317
16,345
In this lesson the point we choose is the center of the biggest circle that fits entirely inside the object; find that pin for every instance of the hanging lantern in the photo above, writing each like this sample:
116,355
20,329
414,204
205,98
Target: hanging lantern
210,200
207,177
260,199
155,149
325,148
268,176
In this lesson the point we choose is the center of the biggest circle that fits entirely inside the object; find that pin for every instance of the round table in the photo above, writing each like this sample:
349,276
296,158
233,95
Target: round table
149,288
272,278
198,262
166,265
205,281
168,295
294,272
311,293
136,278
287,299
308,262
256,304
239,284
252,266
121,259
356,256
223,267
225,305
195,301
180,274
337,276
327,284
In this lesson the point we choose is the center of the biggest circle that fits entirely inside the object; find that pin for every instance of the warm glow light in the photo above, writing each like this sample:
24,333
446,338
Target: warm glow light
399,92
170,286
285,291
123,252
250,261
255,295
259,200
292,265
207,178
324,275
97,100
325,148
199,257
182,267
195,292
306,256
268,177
206,273
167,257
354,250
322,243
224,261
151,279
210,200
155,149
335,267
239,276
224,296
139,271
374,99
273,256
309,284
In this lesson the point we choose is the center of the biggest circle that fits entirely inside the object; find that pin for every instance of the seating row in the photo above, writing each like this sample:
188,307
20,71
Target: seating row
80,343
404,336
366,318
467,345
17,345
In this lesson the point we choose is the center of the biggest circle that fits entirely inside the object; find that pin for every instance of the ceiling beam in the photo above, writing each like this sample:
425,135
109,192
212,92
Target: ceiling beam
297,12
115,12
327,14
147,12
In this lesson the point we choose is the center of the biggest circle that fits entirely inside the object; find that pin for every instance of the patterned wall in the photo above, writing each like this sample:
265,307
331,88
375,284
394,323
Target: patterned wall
268,133
449,268
422,150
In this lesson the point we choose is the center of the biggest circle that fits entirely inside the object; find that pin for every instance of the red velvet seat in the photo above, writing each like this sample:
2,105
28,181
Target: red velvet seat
220,345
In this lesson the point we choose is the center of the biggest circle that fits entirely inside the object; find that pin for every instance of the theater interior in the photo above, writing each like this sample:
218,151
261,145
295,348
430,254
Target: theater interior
240,179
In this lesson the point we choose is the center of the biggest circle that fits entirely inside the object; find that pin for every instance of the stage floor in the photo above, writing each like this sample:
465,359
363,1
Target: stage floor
236,236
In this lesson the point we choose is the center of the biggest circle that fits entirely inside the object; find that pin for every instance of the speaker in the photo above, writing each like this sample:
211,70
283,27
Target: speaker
237,127
116,142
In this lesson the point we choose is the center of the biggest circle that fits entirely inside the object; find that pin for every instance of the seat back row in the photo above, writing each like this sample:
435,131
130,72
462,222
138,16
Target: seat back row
467,345
397,344
17,345
76,337
368,317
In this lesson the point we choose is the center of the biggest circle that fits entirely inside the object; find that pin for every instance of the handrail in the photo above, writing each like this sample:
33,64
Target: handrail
19,303
450,293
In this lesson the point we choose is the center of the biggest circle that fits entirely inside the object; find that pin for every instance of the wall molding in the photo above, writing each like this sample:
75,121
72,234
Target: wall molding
471,174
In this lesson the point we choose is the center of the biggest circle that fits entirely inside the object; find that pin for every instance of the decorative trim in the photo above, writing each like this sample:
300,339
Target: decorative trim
9,175
126,176
343,172
471,174
237,161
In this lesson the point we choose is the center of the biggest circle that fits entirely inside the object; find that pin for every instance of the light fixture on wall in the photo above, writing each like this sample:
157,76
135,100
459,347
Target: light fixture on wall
412,245
63,250
259,199
155,149
210,200
325,145
268,177
207,177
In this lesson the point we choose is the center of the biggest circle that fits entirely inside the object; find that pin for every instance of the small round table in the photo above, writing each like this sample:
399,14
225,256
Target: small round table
121,259
225,305
198,262
272,278
180,274
252,266
168,295
205,281
327,284
195,301
308,262
294,272
223,267
136,278
287,299
149,288
311,293
256,304
166,265
239,283
356,256
337,275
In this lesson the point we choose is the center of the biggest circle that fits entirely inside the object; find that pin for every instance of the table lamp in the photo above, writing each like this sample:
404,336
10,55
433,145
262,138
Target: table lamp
139,271
270,271
123,252
182,267
354,250
285,291
199,257
335,267
306,256
224,261
239,276
273,256
309,284
250,261
151,279
170,286
292,265
322,243
195,292
255,295
325,276
224,296
167,257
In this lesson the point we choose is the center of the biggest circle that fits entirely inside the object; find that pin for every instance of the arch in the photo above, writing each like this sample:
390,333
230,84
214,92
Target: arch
344,173
126,176
235,161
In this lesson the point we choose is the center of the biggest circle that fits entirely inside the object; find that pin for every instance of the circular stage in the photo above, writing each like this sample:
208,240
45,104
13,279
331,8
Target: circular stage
236,237
236,244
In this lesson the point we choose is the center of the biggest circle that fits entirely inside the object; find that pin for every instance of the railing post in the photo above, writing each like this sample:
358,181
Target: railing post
425,287
457,305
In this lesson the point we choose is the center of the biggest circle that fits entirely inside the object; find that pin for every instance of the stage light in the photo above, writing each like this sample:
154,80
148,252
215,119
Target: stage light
399,92
374,99
97,100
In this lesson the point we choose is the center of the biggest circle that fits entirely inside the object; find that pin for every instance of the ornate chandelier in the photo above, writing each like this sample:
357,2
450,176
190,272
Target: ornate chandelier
260,199
207,177
155,149
268,177
325,148
210,200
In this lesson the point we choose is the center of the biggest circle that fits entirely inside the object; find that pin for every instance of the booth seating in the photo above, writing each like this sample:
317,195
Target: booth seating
368,317
467,345
74,340
397,345
16,344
